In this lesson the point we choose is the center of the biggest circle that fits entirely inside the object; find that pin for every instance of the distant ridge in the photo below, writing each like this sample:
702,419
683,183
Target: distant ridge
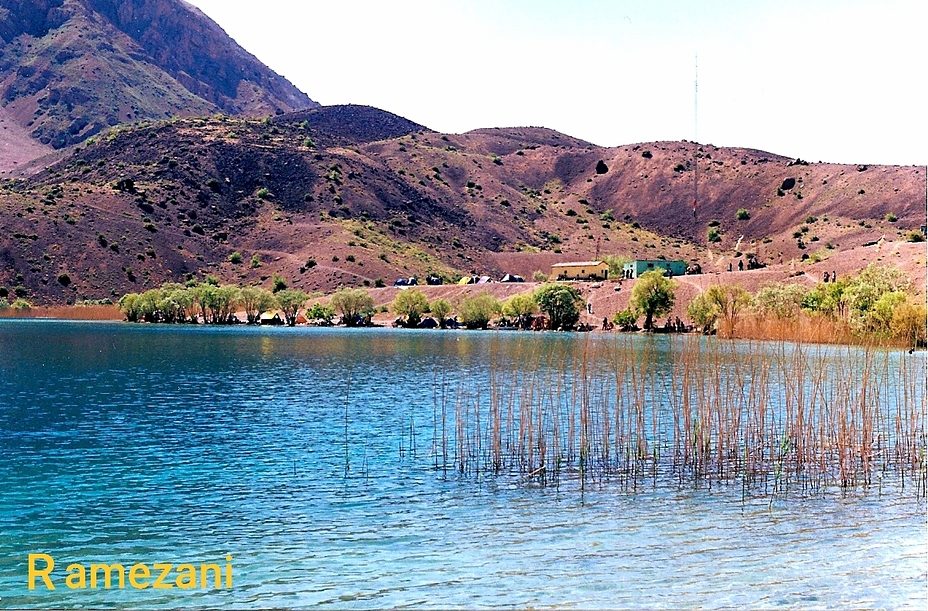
71,68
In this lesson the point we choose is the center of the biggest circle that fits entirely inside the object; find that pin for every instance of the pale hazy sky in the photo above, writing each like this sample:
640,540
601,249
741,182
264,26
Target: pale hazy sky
826,80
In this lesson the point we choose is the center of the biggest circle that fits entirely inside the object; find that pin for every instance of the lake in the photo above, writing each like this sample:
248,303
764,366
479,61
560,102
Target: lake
351,469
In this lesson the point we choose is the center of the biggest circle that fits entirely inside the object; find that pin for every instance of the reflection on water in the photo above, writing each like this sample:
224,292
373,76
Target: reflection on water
149,444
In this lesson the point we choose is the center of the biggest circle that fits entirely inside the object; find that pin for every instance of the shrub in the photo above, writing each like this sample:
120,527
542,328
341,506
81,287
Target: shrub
714,235
64,279
278,283
743,214
626,320
915,236
539,276
4,305
891,218
4,292
263,193
21,305
255,260
235,258
213,185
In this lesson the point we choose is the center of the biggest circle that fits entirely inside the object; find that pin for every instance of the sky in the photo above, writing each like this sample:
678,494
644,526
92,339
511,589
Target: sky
840,81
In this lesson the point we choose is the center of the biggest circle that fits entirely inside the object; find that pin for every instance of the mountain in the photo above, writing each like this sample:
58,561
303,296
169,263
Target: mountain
349,195
71,68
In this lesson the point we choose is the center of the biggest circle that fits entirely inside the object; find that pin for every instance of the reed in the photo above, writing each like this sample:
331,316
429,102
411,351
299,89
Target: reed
79,312
777,418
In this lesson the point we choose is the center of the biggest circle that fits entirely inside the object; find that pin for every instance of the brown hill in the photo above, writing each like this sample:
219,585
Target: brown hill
71,68
352,195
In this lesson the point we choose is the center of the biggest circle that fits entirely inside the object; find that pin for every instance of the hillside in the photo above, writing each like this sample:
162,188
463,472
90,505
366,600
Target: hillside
72,68
352,195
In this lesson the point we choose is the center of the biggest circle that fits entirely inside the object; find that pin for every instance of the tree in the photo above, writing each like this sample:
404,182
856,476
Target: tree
783,301
410,304
561,303
291,300
321,314
719,303
653,295
255,301
616,264
909,323
352,304
702,313
441,308
477,312
521,307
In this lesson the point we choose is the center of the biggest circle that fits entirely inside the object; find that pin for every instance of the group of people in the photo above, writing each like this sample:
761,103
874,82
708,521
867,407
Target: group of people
834,277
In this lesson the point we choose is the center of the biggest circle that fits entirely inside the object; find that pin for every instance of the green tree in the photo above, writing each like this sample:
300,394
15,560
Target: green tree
441,308
703,313
352,304
410,304
522,308
783,301
616,264
561,303
320,314
256,301
719,306
477,312
291,300
653,295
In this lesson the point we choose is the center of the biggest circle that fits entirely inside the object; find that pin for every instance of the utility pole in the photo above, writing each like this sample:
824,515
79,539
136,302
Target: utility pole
696,138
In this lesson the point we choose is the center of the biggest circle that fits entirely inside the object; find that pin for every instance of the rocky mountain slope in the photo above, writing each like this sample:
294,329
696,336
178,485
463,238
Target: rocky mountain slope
351,195
71,68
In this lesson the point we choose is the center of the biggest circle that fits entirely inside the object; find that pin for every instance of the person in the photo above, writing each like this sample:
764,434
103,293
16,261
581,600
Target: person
740,265
825,279
605,322
729,266
834,276
589,307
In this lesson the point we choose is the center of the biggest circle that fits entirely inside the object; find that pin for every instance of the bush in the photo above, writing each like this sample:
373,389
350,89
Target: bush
539,276
64,279
915,236
626,320
743,214
235,258
714,235
255,260
263,193
278,283
4,305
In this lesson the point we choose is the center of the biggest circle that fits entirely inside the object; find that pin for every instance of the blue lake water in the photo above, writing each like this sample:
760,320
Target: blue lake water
310,455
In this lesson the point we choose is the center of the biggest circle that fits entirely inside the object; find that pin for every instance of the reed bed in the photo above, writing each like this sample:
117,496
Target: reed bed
79,312
773,417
